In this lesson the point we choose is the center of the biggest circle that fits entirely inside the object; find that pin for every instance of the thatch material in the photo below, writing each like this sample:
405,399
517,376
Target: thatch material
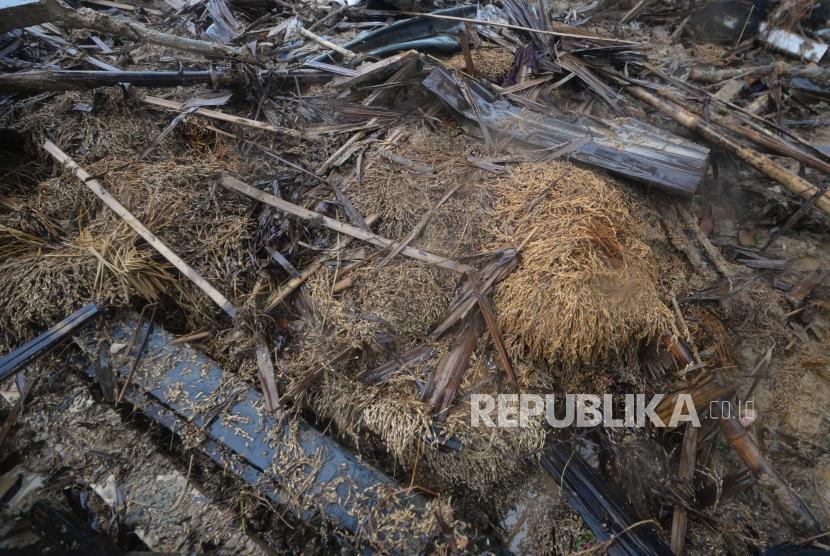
113,127
407,295
585,289
389,419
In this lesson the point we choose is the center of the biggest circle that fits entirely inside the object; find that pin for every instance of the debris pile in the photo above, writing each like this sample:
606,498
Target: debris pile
331,272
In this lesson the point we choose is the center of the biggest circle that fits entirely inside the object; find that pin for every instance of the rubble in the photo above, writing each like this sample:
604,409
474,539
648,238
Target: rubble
262,263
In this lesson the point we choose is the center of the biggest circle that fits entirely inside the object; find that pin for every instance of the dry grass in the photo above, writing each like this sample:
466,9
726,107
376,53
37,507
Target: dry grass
401,196
395,422
113,128
789,13
586,286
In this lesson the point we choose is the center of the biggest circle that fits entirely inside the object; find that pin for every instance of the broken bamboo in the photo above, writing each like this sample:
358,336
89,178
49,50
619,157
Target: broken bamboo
270,394
761,163
794,507
711,75
140,228
297,281
796,511
348,54
443,384
315,217
685,473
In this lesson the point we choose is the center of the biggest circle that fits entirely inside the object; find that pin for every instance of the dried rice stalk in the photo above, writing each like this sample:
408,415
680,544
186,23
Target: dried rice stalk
61,248
586,285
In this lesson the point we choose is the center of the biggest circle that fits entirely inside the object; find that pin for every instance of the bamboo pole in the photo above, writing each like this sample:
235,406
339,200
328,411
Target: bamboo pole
79,80
348,54
765,140
688,459
710,75
314,217
794,507
763,164
222,117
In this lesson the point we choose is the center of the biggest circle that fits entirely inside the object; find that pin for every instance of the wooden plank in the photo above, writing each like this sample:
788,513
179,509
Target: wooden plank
241,187
140,228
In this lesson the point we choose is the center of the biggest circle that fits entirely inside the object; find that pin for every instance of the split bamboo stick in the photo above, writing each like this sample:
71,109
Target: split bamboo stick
140,228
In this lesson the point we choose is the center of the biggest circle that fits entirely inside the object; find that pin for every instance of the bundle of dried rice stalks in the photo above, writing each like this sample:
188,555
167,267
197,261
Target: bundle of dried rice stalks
406,295
390,419
43,284
585,289
65,248
489,62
